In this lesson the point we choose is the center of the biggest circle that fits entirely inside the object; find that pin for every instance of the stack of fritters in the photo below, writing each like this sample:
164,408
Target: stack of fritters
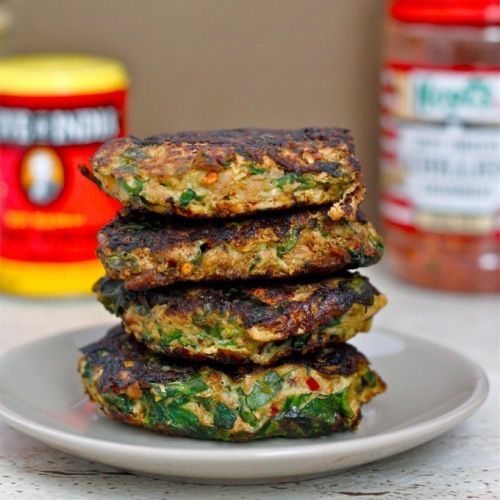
228,268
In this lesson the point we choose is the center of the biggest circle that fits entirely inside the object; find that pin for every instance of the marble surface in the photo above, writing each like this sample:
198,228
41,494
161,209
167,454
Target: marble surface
463,463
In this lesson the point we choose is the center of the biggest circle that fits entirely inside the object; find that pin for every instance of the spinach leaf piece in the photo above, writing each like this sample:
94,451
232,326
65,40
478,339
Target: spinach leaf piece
328,408
187,197
165,340
264,390
292,178
173,414
120,402
254,170
182,418
224,417
293,405
288,243
213,331
134,187
188,387
246,415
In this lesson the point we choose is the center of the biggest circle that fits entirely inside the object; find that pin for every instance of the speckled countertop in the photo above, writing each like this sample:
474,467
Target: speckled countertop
463,463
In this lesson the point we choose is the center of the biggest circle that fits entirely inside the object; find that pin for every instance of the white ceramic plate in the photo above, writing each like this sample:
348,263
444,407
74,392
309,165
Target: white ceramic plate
430,389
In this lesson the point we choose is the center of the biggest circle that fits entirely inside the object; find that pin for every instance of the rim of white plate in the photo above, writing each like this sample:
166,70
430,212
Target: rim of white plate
238,451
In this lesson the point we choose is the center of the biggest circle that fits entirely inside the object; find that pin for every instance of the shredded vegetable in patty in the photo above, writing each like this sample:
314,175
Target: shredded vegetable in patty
225,173
303,397
244,324
146,251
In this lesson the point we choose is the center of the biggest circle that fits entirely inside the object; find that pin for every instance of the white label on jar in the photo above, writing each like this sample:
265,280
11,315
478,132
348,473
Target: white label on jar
451,170
444,95
58,127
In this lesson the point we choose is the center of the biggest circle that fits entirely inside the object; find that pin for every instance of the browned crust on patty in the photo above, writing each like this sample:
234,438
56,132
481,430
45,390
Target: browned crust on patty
147,251
311,167
148,367
283,308
214,149
284,146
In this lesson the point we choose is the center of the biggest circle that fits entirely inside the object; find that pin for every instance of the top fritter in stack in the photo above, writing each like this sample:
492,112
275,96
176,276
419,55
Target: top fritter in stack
228,269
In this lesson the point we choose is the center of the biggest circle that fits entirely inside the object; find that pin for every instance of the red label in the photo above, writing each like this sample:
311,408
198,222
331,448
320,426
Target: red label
49,212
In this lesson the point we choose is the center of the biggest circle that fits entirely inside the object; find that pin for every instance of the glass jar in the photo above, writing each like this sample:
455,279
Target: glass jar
55,111
440,143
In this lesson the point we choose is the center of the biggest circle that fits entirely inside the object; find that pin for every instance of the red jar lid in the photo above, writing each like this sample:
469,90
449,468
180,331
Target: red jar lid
457,12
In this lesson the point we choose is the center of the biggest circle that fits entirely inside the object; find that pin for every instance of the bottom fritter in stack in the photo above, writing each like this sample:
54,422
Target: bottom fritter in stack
208,349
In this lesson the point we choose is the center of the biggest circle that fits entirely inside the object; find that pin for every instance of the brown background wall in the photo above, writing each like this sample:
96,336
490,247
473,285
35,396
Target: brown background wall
225,63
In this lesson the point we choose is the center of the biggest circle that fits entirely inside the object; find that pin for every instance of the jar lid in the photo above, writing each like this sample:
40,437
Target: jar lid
60,74
451,12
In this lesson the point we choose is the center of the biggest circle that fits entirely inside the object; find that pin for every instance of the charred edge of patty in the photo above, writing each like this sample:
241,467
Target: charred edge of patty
269,306
115,352
137,229
348,208
230,358
219,147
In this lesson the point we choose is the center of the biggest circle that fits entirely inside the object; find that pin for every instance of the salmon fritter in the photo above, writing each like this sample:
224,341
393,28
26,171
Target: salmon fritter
303,397
225,173
244,324
147,251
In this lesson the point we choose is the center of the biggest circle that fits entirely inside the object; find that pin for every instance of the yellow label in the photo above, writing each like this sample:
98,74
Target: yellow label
60,74
43,279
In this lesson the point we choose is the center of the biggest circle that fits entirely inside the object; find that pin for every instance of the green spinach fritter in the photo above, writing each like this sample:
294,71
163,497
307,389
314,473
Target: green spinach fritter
303,397
224,173
238,324
145,250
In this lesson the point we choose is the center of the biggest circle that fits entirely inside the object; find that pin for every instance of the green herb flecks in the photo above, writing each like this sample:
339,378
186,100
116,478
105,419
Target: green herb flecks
255,262
290,179
254,170
134,186
369,378
166,339
87,371
288,243
333,322
114,262
213,331
188,196
147,336
376,242
359,257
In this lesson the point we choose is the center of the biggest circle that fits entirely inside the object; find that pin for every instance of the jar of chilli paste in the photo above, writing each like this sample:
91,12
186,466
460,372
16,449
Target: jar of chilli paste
440,144
55,110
